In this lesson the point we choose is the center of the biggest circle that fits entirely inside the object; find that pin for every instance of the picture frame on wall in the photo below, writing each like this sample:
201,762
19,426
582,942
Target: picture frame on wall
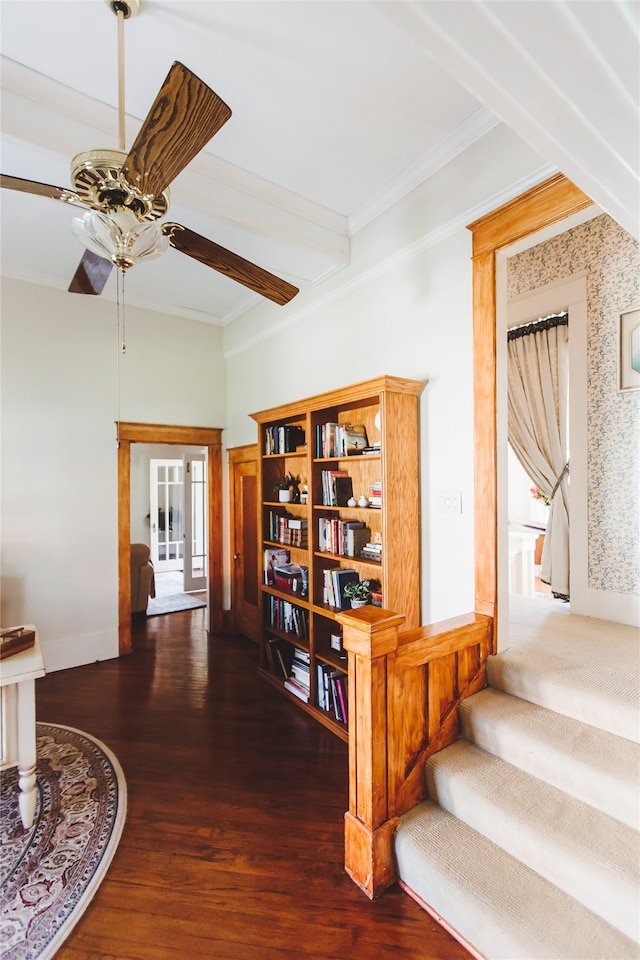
629,350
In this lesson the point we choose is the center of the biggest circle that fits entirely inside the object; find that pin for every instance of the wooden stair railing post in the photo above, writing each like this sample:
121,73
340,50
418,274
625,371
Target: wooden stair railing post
370,635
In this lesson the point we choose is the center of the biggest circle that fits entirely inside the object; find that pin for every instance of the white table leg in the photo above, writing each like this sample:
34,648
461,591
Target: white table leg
26,708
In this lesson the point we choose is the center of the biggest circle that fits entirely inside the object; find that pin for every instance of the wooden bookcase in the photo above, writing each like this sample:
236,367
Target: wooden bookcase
302,619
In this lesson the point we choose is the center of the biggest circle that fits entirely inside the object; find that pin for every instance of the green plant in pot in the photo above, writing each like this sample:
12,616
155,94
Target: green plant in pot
288,488
358,593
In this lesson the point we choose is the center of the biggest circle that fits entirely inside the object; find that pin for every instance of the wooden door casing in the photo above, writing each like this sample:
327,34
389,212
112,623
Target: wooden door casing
245,577
209,437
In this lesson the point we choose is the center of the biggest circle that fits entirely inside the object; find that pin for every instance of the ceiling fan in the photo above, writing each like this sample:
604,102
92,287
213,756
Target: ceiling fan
126,193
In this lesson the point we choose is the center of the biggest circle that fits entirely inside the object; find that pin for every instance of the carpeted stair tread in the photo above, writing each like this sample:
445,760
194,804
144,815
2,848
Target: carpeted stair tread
592,857
583,667
501,907
592,765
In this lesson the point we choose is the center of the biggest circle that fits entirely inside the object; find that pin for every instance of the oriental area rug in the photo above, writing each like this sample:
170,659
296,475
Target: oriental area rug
50,872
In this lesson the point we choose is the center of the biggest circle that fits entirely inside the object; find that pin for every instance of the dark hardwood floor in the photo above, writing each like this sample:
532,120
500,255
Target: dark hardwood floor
233,843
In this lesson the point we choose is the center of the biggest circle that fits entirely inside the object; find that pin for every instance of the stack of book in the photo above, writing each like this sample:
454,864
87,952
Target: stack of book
299,682
332,691
281,528
297,531
291,576
372,551
375,494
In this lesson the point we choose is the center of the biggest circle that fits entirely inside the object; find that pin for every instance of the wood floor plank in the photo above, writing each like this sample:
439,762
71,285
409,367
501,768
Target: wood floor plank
233,846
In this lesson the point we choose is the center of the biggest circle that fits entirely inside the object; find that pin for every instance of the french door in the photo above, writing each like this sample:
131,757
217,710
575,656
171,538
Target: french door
166,495
195,514
178,515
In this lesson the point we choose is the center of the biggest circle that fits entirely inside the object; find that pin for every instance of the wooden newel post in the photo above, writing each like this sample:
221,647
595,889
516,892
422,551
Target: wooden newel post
370,634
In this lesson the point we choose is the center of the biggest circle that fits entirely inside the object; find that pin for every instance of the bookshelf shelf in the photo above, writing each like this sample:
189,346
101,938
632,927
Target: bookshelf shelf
310,438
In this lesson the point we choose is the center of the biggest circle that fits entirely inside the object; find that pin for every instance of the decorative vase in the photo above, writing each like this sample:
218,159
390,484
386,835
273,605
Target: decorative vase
284,496
363,502
352,502
359,603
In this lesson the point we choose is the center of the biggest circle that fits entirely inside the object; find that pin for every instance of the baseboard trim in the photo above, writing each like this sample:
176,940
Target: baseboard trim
68,652
441,921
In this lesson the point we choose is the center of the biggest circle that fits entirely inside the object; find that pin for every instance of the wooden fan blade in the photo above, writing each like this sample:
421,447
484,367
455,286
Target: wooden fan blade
40,189
91,275
183,118
232,265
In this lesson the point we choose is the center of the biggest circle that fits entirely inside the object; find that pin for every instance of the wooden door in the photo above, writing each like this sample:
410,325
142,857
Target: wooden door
166,498
195,522
243,483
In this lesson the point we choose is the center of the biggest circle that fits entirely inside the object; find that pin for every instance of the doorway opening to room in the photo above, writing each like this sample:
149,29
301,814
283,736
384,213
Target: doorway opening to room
496,237
554,319
207,440
169,512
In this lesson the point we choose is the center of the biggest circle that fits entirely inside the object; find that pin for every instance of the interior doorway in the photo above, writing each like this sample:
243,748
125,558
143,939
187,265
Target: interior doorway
244,505
542,207
208,439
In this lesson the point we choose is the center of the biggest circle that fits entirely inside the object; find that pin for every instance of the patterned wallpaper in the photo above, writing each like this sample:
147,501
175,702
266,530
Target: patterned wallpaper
610,255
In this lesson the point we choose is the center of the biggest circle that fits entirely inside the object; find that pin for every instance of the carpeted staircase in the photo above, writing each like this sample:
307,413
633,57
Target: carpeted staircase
529,844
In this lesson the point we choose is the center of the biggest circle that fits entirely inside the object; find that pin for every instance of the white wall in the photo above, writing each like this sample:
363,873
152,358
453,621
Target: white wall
403,308
59,457
402,325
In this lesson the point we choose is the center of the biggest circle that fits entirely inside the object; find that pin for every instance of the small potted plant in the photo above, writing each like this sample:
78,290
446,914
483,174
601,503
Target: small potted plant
288,488
358,593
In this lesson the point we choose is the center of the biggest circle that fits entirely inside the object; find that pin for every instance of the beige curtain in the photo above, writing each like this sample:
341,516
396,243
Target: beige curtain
538,387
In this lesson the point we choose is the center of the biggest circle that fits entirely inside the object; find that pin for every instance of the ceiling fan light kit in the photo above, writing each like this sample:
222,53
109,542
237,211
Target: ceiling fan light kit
126,192
119,237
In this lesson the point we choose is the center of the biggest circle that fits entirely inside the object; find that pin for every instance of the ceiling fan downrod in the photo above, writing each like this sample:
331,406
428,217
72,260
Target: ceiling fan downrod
123,9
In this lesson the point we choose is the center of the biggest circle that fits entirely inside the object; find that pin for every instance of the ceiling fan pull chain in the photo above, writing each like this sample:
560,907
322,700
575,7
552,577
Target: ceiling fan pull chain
121,347
122,335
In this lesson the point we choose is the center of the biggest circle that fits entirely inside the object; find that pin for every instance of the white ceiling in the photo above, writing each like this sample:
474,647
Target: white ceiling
339,108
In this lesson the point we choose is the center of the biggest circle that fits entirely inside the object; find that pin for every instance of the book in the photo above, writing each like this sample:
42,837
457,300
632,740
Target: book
297,689
320,689
327,440
341,687
328,486
341,577
355,540
273,557
354,439
343,487
337,680
283,438
279,656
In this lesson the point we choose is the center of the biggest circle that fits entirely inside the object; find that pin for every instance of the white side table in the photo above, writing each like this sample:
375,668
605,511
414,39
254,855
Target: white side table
18,721
522,545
